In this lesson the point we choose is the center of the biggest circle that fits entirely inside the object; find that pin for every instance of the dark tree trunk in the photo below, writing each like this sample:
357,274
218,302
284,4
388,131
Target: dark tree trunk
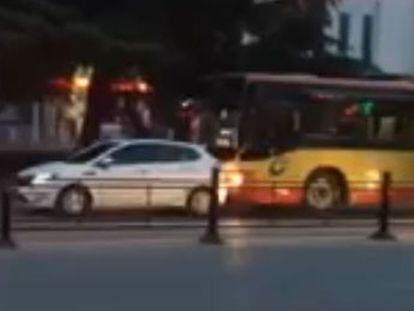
101,107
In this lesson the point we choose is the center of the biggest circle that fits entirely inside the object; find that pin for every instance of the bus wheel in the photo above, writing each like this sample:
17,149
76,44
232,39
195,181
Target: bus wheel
324,191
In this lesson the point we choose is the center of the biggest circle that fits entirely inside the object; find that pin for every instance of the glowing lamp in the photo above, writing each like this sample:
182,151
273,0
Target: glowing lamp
81,82
143,87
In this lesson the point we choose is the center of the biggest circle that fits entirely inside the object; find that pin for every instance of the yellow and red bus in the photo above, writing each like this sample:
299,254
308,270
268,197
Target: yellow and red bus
322,142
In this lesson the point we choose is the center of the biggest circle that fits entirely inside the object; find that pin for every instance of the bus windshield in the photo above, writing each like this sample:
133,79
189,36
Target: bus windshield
223,93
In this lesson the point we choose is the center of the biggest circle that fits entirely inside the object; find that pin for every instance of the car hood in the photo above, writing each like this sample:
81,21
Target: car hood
49,167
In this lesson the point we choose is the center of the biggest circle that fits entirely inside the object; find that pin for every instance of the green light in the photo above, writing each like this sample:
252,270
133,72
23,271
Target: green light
366,107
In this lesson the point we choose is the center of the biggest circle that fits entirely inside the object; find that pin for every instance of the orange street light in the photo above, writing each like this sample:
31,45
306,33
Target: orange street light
81,82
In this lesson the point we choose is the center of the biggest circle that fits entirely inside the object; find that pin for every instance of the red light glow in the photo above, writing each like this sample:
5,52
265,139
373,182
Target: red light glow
131,86
351,110
61,84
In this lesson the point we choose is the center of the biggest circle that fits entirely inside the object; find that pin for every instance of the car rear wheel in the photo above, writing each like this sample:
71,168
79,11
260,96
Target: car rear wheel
74,201
199,201
324,191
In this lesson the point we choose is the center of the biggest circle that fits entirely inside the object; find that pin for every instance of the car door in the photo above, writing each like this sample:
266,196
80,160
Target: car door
123,180
174,175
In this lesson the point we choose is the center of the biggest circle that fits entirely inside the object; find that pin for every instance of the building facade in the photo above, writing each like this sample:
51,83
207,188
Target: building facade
36,125
378,32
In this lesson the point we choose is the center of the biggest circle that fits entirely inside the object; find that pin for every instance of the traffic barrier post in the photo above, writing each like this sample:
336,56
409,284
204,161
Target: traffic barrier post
211,235
383,231
6,241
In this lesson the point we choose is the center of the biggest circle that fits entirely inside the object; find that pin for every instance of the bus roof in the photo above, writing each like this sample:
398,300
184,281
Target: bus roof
403,84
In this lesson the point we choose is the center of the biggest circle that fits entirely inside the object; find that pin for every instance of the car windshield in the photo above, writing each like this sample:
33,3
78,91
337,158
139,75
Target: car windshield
90,153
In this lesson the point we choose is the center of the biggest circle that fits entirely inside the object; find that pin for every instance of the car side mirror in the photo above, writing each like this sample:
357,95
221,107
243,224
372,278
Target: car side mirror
104,163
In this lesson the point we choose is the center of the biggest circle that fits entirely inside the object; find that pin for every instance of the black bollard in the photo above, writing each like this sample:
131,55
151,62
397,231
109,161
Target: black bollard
6,241
383,232
211,236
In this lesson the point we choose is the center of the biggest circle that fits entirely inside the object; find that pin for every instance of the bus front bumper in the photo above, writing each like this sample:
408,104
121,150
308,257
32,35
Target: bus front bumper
399,197
265,196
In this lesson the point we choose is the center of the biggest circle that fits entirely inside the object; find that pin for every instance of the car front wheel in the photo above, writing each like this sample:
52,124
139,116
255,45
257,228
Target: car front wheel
199,201
73,201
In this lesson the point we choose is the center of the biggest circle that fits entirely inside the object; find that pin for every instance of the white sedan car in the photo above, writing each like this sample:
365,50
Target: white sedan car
122,174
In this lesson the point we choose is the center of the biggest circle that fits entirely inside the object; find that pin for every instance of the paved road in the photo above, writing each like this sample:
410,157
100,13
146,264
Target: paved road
183,223
278,269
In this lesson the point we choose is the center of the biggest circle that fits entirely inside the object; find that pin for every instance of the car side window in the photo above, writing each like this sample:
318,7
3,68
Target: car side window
134,154
153,153
177,154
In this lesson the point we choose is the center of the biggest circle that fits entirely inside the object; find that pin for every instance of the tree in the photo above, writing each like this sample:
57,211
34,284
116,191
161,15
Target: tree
31,45
205,36
40,39
177,41
289,34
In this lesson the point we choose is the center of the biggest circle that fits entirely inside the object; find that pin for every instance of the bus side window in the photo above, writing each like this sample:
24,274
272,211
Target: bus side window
407,128
387,128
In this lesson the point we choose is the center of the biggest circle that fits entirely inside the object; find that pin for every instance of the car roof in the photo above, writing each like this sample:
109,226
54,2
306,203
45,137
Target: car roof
129,141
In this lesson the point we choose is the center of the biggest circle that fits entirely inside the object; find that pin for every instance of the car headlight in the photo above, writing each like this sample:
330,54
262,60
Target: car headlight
231,179
373,175
42,178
